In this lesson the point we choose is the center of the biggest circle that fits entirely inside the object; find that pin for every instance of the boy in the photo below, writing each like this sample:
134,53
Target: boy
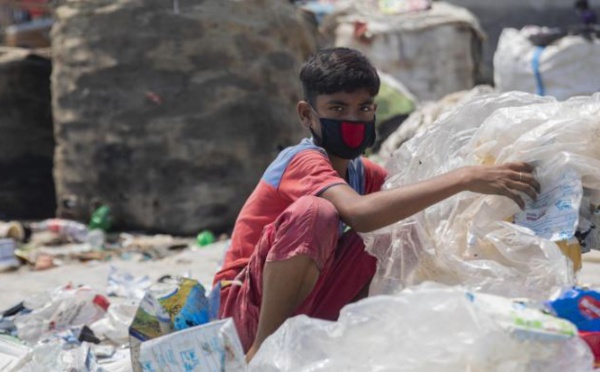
295,247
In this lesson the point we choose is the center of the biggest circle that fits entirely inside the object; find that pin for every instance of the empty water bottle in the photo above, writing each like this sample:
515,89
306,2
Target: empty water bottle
71,230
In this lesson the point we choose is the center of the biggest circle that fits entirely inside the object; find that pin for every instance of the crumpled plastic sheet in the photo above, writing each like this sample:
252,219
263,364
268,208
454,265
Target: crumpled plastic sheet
425,328
115,325
468,239
59,310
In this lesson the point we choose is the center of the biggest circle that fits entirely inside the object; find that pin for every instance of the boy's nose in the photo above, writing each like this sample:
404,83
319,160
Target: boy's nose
354,116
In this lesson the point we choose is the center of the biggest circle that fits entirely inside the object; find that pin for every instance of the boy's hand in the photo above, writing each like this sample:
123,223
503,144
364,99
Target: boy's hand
507,179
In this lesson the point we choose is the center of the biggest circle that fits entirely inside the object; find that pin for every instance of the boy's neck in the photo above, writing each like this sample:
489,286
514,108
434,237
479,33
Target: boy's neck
340,165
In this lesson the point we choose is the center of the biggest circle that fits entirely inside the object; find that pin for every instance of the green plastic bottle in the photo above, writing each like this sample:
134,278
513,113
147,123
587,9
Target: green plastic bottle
101,219
205,238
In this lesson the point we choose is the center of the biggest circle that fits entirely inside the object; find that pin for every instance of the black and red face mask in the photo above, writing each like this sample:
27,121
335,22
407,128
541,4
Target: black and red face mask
344,138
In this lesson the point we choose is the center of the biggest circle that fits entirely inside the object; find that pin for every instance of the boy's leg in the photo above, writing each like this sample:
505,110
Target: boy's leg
283,270
286,284
345,280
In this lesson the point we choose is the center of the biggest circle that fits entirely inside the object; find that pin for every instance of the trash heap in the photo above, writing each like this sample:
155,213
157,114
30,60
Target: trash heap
85,328
132,324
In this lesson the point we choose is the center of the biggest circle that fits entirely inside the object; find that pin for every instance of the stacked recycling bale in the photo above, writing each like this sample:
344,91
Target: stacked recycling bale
172,122
434,52
495,16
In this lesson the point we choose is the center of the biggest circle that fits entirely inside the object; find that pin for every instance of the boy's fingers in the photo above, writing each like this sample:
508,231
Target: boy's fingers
517,199
520,167
524,187
526,178
514,196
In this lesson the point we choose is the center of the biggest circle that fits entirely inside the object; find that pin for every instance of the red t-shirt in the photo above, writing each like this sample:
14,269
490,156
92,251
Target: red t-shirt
299,170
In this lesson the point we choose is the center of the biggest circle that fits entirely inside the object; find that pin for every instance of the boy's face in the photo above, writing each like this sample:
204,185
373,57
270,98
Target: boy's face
358,105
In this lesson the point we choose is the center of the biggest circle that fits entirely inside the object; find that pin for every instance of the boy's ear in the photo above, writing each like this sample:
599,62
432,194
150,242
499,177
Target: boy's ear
304,113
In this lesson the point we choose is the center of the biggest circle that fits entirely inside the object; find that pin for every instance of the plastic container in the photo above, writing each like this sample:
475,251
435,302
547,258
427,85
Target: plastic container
69,229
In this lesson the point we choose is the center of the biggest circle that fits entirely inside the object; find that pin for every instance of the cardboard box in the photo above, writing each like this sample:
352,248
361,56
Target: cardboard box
209,347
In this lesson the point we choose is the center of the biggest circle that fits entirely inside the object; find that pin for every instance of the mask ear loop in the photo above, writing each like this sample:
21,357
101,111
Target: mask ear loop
374,137
315,138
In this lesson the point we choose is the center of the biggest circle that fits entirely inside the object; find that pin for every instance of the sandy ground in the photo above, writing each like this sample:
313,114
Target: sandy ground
200,263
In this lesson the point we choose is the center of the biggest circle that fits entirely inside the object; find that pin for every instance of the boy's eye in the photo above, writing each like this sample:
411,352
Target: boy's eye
366,108
336,108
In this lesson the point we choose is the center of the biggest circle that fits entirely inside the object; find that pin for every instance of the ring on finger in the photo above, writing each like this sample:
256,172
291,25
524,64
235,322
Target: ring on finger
520,176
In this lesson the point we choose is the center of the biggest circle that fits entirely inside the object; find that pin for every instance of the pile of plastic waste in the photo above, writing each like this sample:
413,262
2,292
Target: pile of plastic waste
130,325
487,243
428,328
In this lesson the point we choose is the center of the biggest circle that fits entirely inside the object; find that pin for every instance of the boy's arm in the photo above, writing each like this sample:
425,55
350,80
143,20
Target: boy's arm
365,213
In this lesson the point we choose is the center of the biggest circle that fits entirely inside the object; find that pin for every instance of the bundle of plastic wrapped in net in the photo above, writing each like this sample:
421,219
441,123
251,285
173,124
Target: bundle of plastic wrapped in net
484,242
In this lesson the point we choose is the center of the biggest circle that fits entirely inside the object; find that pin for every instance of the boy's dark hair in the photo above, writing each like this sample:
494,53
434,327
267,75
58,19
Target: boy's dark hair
337,70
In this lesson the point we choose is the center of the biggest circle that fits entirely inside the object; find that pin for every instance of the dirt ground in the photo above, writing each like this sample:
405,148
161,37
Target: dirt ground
200,263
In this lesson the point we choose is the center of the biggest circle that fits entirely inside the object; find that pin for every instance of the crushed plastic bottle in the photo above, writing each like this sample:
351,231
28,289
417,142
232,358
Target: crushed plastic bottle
72,230
101,219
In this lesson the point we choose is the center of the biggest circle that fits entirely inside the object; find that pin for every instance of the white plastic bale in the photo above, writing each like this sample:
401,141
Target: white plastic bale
428,328
466,239
567,68
433,52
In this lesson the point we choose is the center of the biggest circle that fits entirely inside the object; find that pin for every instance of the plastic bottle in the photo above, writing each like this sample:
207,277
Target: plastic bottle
101,219
205,238
73,230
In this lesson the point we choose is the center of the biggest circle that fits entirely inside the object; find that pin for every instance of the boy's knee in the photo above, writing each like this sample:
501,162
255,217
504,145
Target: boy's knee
321,212
308,226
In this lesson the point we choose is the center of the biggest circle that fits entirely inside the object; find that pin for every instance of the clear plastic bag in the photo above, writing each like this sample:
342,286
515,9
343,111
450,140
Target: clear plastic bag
470,239
427,328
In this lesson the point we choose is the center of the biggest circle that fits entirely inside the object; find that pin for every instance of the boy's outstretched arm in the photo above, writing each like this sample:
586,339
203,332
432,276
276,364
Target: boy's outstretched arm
373,211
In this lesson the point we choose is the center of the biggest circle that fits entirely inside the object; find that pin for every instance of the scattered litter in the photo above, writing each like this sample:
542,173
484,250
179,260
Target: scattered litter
205,238
115,325
67,308
123,284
